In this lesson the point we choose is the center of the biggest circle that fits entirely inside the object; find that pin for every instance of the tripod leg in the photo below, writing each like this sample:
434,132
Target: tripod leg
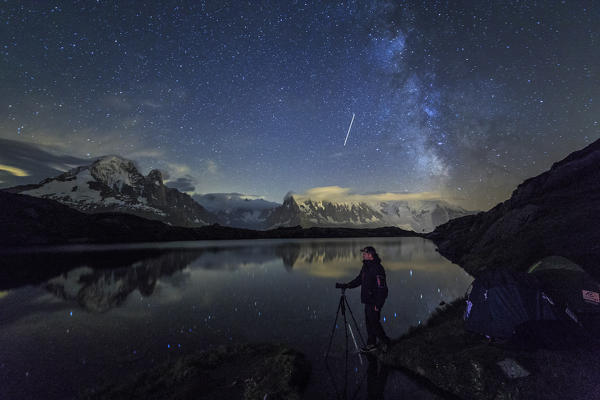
362,341
346,365
355,345
340,305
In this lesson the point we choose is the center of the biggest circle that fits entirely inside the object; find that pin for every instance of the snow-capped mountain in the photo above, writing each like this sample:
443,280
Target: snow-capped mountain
238,210
415,215
113,184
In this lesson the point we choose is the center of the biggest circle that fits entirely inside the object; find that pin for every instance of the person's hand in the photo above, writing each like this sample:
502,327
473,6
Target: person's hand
340,285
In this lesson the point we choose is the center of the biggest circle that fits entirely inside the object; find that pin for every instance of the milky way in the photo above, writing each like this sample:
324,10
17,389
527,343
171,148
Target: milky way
465,99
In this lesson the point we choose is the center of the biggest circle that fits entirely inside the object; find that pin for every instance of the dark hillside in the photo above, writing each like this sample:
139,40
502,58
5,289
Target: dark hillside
555,213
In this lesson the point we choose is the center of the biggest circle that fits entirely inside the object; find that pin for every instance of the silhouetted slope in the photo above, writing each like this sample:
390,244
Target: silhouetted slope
555,213
26,220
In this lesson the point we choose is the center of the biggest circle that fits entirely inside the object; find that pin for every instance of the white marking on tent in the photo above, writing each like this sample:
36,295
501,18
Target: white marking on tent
593,297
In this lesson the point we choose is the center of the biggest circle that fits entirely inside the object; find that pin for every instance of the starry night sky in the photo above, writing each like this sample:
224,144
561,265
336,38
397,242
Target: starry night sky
461,98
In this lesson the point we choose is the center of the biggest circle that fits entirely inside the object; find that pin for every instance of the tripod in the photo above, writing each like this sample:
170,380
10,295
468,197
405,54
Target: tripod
342,306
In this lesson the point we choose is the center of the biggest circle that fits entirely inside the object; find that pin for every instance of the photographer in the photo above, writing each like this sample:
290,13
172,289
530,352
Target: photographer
373,293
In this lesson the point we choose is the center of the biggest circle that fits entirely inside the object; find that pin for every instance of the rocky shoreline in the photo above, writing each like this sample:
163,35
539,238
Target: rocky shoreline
242,371
469,367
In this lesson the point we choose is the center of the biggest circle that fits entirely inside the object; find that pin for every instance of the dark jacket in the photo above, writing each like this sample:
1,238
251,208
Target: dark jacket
371,279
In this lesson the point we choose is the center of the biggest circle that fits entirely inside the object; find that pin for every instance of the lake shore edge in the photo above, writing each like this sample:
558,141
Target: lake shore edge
466,365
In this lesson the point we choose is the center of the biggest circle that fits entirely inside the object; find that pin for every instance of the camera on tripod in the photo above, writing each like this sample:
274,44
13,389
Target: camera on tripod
342,307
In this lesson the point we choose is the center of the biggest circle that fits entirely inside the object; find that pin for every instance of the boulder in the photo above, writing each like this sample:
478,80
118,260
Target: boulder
241,371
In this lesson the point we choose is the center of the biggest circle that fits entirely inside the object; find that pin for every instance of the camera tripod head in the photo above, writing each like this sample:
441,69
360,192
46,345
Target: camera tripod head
341,286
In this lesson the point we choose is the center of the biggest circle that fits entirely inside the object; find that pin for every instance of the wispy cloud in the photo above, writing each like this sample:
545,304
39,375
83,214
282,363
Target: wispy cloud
117,103
340,194
183,184
186,178
211,167
151,104
174,170
205,167
89,143
13,170
24,163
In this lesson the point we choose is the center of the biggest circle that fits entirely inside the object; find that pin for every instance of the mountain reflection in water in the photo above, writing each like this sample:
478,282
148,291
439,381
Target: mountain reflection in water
104,311
100,290
97,289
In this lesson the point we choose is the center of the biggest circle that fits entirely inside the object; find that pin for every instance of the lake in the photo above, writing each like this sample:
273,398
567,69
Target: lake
120,309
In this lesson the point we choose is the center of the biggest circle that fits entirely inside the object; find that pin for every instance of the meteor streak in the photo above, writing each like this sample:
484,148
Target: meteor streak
350,127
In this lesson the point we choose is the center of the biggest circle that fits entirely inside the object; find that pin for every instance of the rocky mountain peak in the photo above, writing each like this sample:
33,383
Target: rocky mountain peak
115,171
289,201
114,162
366,212
156,177
114,184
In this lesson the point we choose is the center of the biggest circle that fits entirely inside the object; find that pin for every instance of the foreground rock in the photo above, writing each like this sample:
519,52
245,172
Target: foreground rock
467,366
228,372
555,213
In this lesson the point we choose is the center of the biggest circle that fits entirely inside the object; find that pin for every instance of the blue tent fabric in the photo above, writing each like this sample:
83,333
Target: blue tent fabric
502,300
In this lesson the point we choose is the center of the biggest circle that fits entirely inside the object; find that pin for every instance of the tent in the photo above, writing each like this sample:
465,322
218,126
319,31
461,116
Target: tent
499,302
573,290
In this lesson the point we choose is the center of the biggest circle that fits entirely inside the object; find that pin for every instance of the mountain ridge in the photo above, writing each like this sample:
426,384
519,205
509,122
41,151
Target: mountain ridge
236,209
114,184
415,215
562,202
33,221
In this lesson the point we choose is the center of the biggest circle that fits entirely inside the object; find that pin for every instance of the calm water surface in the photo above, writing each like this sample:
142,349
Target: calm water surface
93,325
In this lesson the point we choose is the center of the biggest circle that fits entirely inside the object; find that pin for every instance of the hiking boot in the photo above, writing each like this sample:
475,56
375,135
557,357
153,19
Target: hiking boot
368,348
